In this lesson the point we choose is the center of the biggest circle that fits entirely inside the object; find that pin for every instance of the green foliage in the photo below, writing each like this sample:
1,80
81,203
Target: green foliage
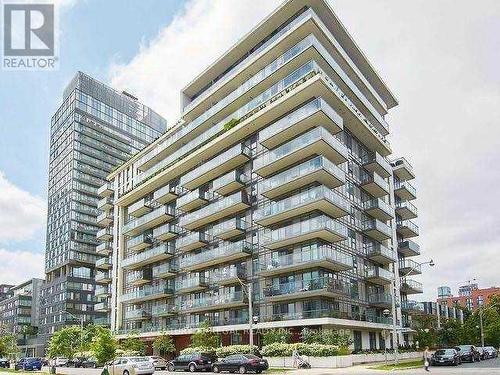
325,337
164,344
198,349
231,124
133,345
276,335
65,342
103,345
205,337
224,351
312,350
8,345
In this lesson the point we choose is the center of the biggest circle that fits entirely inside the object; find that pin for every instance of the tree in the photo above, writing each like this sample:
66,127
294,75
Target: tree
272,336
164,344
65,342
133,344
8,345
103,345
205,337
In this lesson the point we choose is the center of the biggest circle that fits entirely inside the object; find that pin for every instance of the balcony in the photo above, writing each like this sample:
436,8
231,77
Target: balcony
408,267
159,216
138,314
191,242
317,141
380,300
105,204
148,293
229,228
104,306
376,163
102,321
405,191
318,227
215,302
161,310
379,209
300,289
156,254
229,183
138,278
318,169
104,234
321,257
166,194
403,169
380,253
375,185
103,277
104,248
407,229
319,198
102,291
105,190
140,242
378,275
103,264
409,286
409,248
306,117
223,163
412,306
166,232
166,270
104,219
217,210
192,200
223,254
229,275
406,210
377,230
141,207
191,284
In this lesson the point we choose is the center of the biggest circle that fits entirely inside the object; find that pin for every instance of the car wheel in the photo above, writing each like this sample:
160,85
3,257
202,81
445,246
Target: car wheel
258,372
216,369
125,372
242,370
192,367
170,368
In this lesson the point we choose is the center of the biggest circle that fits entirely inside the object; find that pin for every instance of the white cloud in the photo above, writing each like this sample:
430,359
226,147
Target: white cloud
21,214
19,266
440,58
197,36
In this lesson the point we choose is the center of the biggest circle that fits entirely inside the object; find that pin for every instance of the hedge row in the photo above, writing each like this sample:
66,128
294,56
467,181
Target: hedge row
222,351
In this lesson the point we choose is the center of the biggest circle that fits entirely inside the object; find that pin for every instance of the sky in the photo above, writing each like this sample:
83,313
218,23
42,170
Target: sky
440,58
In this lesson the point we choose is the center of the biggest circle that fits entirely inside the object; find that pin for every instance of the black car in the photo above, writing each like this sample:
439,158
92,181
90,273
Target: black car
468,353
445,357
4,363
241,363
491,351
192,362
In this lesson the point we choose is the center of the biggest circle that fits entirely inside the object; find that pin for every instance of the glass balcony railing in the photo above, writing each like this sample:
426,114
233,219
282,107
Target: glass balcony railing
301,171
374,184
82,257
227,228
229,181
408,225
191,241
326,313
104,234
379,251
148,292
156,253
191,283
407,186
408,206
379,204
409,267
374,162
409,248
166,231
105,203
192,200
272,261
102,276
138,277
102,306
165,269
164,309
140,207
326,284
166,193
140,242
211,301
225,252
379,273
104,263
102,290
228,274
304,198
136,314
377,229
409,285
380,298
410,305
152,218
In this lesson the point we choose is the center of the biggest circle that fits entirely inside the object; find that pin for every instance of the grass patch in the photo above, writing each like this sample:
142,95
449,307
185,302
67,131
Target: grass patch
19,372
278,370
400,365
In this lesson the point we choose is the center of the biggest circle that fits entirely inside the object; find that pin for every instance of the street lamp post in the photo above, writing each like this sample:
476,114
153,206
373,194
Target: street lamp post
248,289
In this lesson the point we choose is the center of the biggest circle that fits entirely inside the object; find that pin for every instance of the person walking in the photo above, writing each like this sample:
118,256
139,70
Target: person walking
427,358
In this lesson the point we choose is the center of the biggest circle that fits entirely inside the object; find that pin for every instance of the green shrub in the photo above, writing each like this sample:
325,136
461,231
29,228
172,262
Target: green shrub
198,349
325,337
224,351
280,335
312,350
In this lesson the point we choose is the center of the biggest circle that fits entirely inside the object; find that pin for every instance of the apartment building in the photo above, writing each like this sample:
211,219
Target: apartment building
276,180
19,314
5,291
470,297
441,313
93,131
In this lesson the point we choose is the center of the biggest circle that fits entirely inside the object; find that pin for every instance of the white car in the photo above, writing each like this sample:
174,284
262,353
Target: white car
131,366
158,362
60,361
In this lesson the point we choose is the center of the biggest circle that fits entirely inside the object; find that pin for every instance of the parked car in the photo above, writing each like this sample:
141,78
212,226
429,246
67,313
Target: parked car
492,352
60,361
192,362
131,366
482,353
158,362
4,363
445,357
82,362
241,363
468,353
29,364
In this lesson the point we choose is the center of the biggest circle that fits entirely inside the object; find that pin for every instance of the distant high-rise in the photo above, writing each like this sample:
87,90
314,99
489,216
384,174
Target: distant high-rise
93,131
444,291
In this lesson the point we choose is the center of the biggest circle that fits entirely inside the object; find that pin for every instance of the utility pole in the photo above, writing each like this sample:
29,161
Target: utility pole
481,325
250,313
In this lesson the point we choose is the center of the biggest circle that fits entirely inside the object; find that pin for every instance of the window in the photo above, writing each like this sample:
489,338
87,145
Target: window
373,341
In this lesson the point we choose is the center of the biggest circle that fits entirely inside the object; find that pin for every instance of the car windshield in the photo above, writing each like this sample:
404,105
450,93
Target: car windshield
251,356
445,351
139,359
464,348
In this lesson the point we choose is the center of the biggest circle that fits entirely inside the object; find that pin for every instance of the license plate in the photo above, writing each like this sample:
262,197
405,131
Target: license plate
262,362
209,361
